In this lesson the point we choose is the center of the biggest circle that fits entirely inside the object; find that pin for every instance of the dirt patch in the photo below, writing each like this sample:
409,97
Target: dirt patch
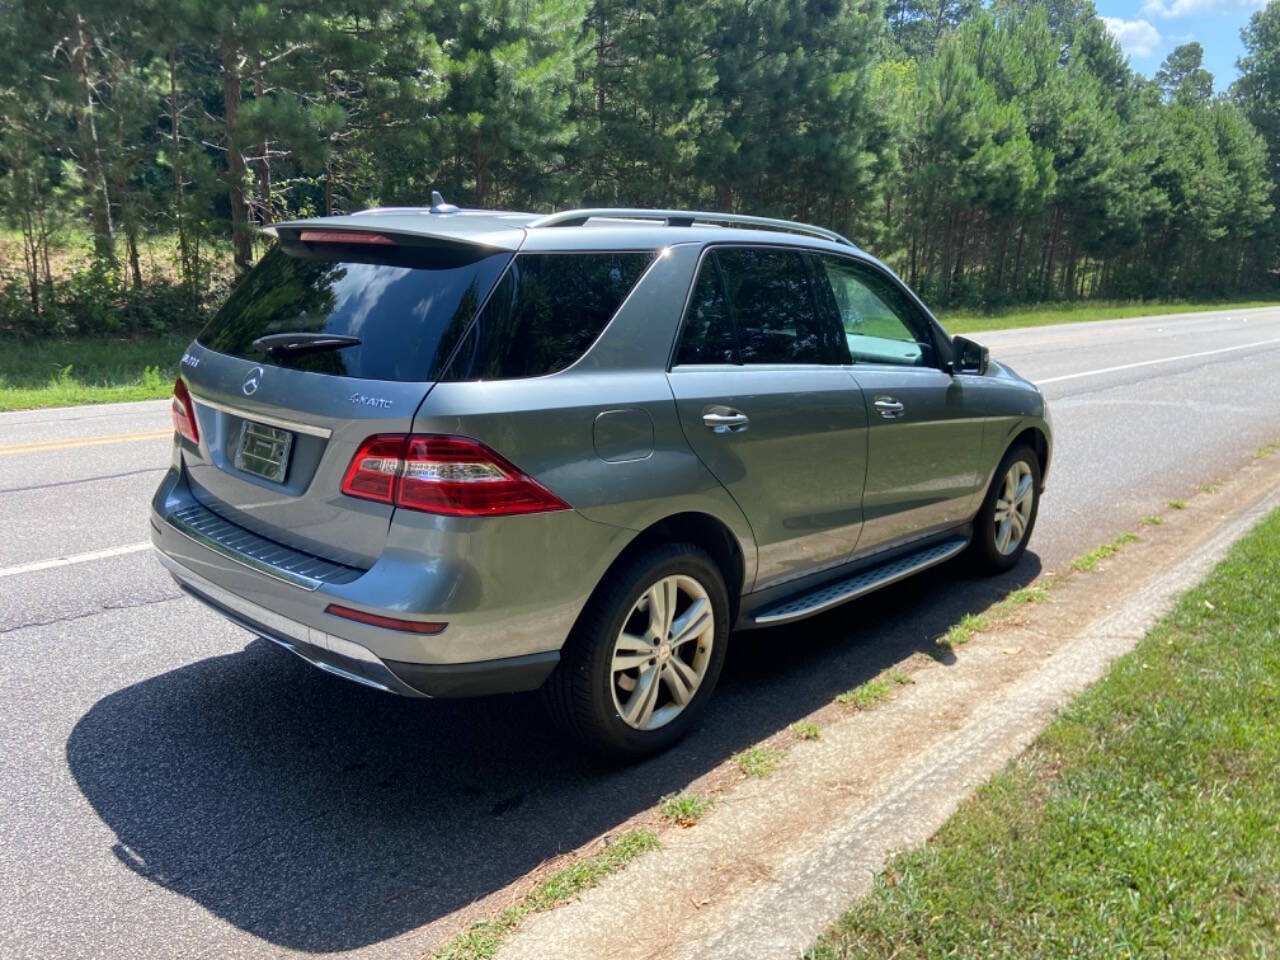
680,899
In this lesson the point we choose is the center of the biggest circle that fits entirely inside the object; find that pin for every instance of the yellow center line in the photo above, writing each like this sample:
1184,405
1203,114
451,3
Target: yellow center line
84,442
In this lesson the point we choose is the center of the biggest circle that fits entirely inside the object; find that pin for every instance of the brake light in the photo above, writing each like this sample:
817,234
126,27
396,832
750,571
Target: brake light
184,412
345,236
447,475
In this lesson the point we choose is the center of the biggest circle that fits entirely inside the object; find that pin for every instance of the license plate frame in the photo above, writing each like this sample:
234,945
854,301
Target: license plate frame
263,451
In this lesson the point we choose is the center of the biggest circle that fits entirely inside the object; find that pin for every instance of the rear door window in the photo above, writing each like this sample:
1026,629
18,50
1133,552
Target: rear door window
708,335
759,305
407,304
545,312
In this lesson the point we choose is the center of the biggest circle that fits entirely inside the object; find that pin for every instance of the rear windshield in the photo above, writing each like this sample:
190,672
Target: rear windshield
546,311
408,305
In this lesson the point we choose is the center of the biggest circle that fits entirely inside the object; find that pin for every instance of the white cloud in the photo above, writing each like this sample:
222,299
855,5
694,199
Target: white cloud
1137,38
1190,8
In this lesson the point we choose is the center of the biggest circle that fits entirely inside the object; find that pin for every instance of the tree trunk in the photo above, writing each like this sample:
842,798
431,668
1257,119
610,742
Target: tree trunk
481,163
95,179
131,244
263,162
175,141
241,242
328,156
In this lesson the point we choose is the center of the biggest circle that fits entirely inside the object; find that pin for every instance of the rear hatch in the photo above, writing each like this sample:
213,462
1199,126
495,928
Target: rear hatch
359,325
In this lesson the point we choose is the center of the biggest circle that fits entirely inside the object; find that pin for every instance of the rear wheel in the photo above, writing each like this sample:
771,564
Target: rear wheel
645,655
1003,526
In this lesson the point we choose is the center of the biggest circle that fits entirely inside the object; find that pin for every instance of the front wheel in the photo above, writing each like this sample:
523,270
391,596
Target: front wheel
645,655
1003,525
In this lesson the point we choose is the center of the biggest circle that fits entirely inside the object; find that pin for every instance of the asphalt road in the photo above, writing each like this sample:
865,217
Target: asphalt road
170,786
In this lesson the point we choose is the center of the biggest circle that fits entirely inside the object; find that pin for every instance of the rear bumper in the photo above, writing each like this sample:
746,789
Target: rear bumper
348,659
509,600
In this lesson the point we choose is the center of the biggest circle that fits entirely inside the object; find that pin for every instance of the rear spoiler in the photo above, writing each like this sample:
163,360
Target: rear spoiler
408,228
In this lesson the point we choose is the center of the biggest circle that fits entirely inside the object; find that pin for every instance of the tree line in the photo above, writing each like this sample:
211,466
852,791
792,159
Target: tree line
991,154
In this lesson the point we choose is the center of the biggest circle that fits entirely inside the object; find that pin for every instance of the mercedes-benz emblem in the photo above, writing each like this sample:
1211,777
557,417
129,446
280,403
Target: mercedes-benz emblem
251,382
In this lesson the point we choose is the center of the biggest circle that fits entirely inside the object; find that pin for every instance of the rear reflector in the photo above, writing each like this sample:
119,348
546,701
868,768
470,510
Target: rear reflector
184,412
447,475
345,236
389,623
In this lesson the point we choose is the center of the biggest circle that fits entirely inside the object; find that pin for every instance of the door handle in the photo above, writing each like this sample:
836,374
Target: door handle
725,420
889,408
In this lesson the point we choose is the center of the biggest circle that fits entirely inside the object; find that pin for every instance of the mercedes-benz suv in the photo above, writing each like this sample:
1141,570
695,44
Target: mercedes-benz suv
447,452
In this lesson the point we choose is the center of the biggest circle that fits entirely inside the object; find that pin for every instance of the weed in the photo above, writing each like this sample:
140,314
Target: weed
683,809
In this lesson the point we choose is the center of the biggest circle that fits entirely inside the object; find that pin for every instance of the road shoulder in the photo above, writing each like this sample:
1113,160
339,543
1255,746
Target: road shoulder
778,859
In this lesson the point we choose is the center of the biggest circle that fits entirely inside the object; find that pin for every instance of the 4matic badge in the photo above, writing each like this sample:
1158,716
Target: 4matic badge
361,400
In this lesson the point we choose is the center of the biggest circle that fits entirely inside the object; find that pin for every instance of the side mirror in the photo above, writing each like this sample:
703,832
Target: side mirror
970,356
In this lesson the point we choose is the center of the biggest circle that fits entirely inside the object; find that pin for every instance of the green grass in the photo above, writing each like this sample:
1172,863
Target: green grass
684,809
758,761
1266,450
1023,596
1153,520
1177,504
969,322
964,630
484,938
1087,562
806,731
57,373
1144,822
876,690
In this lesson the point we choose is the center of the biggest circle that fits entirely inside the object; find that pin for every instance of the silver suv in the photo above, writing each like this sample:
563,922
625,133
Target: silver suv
448,452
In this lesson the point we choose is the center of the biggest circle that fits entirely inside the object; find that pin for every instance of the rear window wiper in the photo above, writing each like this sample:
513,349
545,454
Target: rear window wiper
299,343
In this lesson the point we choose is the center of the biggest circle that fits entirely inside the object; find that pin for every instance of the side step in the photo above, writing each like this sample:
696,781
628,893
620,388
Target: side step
864,581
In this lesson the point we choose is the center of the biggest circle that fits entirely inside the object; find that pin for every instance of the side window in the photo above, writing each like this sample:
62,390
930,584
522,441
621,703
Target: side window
545,312
707,335
771,299
880,324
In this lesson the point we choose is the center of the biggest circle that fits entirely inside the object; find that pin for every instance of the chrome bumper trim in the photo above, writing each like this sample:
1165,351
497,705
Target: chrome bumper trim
335,655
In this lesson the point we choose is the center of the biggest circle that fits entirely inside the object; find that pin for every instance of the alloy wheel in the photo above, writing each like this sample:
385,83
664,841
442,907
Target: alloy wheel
1012,514
661,654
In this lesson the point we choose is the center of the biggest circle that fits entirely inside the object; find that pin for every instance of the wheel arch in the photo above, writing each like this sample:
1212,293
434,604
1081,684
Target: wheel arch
1038,441
701,530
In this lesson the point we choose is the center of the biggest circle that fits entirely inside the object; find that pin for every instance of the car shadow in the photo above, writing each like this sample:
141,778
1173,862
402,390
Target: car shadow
322,816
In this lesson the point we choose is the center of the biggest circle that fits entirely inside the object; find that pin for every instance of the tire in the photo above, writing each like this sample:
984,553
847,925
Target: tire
987,551
588,693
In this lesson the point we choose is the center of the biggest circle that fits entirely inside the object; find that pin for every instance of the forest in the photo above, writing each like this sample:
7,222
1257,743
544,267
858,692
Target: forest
992,154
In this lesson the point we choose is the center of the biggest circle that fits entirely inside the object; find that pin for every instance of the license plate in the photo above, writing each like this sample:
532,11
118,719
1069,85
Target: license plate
264,451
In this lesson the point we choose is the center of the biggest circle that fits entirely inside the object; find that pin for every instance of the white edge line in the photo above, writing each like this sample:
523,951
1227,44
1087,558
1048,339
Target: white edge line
74,558
1148,363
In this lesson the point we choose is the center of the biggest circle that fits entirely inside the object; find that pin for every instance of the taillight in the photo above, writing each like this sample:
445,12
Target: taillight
373,471
184,412
449,475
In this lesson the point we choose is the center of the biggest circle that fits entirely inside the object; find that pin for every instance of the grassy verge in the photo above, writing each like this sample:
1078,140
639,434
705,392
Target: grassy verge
483,939
1144,822
965,322
57,373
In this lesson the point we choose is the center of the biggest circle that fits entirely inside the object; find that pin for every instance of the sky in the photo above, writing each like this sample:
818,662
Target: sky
1149,29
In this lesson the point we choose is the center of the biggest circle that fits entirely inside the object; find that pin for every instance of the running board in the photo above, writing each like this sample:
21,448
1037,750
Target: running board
864,581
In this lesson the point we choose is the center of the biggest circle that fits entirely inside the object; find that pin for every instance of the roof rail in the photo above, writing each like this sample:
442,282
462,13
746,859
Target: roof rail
684,218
